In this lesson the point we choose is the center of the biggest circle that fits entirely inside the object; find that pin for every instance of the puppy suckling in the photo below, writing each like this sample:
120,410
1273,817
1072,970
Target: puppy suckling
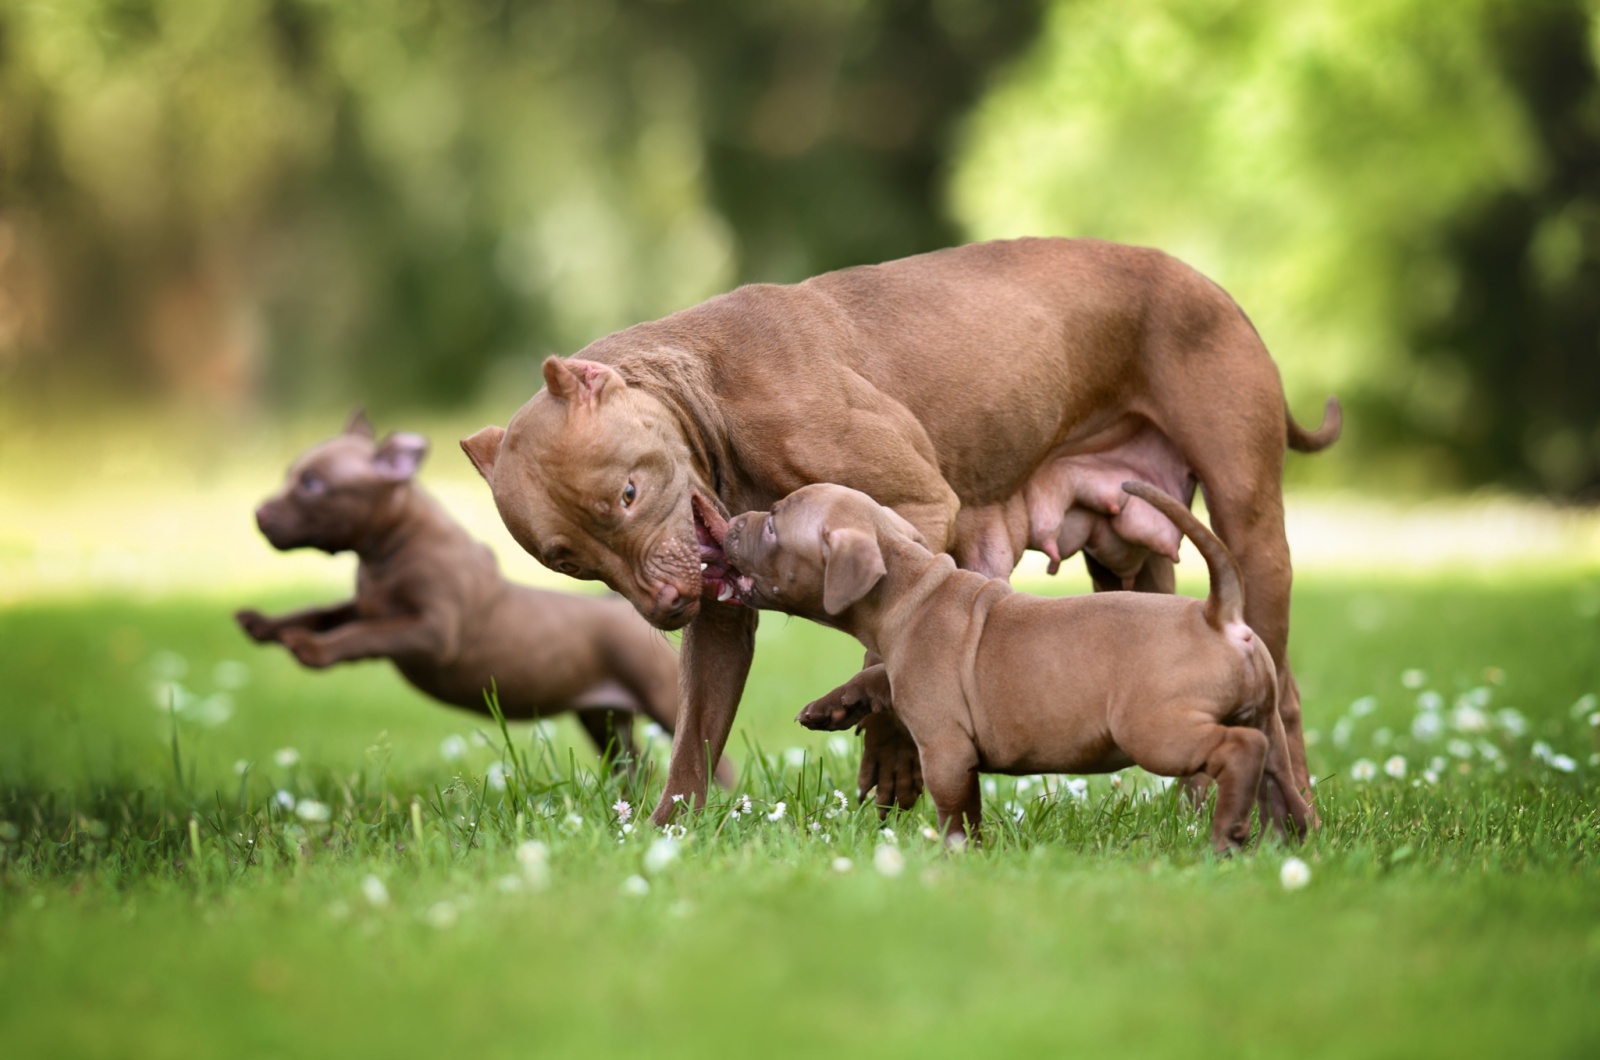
990,680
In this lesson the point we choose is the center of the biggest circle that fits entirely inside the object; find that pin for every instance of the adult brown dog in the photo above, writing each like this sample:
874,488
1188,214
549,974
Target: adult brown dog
989,680
431,599
995,395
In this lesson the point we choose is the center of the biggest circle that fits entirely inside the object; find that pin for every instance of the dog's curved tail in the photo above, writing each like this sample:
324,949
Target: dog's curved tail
1226,602
1304,441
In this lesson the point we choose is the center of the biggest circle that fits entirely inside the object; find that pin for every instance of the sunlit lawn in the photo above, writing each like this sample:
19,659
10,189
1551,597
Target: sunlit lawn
305,863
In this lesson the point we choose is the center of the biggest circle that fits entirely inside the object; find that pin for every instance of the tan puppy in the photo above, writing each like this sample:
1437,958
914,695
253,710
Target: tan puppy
989,680
431,599
995,395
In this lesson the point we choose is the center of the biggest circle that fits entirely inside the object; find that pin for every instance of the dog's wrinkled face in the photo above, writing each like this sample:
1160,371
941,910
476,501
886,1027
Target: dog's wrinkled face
334,491
594,479
816,553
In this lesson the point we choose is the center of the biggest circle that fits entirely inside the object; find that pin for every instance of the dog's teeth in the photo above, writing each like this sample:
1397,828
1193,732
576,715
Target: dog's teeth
725,593
703,566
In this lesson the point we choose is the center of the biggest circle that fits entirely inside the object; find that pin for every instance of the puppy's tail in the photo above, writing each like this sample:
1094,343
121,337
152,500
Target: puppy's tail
1304,441
1226,602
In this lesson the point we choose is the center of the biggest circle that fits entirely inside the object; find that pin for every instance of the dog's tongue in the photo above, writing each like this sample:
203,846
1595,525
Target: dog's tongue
710,527
717,576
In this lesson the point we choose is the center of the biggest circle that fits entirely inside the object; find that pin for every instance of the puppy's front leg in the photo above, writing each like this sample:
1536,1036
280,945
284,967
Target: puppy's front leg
848,705
263,629
950,770
381,638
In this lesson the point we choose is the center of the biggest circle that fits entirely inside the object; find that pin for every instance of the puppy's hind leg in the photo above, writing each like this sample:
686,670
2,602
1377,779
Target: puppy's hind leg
1236,764
611,731
1278,797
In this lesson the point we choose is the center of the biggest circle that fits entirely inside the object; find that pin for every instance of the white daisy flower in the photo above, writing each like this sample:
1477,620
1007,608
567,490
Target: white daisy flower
286,757
1413,678
1294,875
778,810
312,810
842,864
1363,706
1427,726
1565,763
283,799
1077,787
888,835
930,834
442,915
376,894
1396,767
1362,770
572,823
452,747
623,811
888,860
636,886
741,807
496,776
662,852
1430,700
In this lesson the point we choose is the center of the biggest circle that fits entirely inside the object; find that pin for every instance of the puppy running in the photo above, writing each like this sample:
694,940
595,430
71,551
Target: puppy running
989,680
431,599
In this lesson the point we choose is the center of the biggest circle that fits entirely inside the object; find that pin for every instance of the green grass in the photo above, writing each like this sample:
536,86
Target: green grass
155,903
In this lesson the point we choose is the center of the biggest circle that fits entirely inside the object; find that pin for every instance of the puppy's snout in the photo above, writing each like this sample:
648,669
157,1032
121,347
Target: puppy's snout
269,520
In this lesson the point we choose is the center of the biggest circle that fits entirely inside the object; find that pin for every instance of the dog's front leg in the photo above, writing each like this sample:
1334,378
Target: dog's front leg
717,649
263,628
381,638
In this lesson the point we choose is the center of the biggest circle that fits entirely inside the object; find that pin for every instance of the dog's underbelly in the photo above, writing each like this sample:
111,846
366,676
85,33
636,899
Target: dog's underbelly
1074,502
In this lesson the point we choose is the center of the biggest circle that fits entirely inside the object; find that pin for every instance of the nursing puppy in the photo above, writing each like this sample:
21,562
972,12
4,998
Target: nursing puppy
431,599
989,680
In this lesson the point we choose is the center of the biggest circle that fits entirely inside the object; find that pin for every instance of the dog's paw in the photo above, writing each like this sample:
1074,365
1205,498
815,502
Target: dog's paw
307,647
839,709
257,627
851,703
890,763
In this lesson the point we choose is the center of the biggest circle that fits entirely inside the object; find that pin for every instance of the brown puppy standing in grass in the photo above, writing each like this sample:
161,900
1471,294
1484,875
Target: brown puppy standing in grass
990,680
431,599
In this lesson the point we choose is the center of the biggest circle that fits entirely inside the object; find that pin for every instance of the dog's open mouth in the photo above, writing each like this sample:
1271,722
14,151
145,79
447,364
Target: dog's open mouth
718,577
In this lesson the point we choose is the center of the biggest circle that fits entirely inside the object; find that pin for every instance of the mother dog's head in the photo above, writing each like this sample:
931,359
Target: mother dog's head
595,479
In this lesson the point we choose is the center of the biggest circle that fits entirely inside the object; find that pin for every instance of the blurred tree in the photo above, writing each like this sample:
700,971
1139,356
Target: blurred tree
384,199
1401,193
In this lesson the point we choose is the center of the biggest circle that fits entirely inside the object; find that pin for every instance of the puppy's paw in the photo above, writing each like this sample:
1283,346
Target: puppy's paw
306,647
890,763
257,627
850,704
837,710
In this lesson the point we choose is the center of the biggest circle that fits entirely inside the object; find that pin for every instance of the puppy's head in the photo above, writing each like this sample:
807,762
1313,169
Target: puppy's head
336,489
817,553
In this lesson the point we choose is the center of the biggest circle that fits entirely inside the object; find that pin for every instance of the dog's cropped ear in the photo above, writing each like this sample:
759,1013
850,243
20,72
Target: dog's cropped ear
580,382
903,524
483,448
852,565
399,455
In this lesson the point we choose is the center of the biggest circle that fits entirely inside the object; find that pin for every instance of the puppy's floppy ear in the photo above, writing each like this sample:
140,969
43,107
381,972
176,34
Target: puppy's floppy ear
359,425
399,455
482,449
852,565
580,382
903,524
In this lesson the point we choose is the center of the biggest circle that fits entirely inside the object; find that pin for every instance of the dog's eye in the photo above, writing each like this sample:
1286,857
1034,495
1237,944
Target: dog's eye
769,530
568,568
312,484
630,492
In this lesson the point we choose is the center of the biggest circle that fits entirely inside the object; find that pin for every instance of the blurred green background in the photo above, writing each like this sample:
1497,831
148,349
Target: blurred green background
275,209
